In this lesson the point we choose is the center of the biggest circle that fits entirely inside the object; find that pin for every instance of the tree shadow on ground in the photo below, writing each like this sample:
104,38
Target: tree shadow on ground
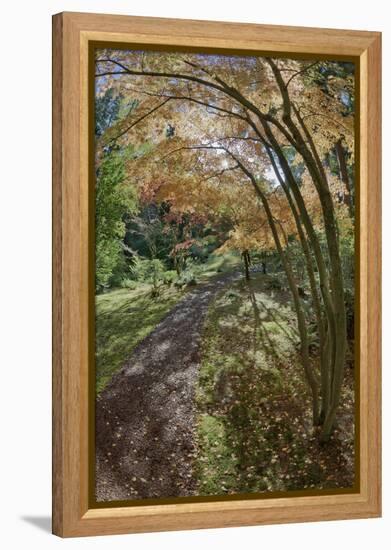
263,409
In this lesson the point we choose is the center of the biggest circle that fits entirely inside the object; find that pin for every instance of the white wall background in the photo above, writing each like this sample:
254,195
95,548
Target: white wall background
25,273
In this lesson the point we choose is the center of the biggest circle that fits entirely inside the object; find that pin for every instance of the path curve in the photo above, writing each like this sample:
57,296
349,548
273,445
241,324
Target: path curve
145,417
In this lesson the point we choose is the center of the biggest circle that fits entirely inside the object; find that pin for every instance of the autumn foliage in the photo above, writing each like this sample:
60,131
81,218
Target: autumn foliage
264,149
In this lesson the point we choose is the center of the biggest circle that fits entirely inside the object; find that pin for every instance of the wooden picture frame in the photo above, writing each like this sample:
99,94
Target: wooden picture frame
72,278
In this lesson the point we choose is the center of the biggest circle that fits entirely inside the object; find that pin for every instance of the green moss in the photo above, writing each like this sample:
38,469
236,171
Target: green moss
248,393
216,467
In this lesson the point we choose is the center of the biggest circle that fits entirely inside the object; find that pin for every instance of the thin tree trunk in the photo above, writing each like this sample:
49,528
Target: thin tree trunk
328,356
246,260
331,229
311,379
323,342
344,175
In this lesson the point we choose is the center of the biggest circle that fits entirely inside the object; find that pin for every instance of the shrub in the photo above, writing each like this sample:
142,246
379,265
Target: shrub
149,271
129,284
169,277
187,278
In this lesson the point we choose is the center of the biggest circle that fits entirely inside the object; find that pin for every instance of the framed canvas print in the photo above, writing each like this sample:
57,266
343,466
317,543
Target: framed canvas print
216,234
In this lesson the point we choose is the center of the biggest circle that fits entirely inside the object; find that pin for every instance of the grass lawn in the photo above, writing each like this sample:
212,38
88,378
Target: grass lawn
254,429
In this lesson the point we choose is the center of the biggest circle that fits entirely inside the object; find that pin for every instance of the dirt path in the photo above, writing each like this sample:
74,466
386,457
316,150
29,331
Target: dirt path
145,417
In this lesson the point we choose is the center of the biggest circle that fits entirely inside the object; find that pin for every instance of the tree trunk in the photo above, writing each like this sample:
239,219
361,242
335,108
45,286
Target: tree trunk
327,356
311,379
324,339
344,175
316,170
246,260
319,178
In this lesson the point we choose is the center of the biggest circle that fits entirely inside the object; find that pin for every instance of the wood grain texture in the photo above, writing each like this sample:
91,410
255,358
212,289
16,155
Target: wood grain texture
371,257
57,481
222,35
71,34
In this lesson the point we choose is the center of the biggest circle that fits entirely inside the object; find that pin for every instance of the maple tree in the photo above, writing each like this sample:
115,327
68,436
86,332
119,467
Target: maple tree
267,144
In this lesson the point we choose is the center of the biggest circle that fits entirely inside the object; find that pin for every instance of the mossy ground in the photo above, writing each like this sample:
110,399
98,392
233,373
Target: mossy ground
254,430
